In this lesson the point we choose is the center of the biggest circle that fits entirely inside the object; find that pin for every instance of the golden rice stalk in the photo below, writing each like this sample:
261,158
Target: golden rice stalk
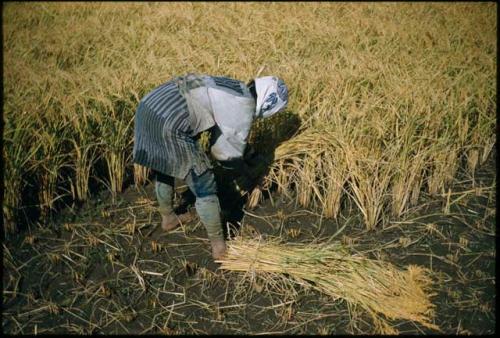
369,181
18,151
116,170
311,164
140,174
472,159
488,148
254,198
334,184
83,161
116,137
445,167
384,291
407,184
83,155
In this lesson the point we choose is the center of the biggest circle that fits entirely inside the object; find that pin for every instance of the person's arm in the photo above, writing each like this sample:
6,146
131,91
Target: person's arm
241,166
231,153
233,115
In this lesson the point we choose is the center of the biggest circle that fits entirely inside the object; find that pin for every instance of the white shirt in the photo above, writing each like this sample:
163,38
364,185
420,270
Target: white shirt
222,101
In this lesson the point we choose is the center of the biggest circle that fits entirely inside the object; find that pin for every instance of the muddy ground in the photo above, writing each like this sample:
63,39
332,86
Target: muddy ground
107,268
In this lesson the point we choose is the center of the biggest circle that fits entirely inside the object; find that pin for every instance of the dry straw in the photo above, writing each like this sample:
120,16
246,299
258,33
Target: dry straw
384,291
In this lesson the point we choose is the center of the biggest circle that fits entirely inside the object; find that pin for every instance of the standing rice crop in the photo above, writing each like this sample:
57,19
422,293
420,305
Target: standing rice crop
19,150
374,86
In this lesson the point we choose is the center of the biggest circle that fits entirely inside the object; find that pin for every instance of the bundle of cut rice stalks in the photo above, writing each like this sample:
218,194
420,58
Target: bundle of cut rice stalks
384,291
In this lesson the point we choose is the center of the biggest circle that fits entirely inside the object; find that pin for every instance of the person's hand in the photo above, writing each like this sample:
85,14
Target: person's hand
253,158
244,183
250,152
256,168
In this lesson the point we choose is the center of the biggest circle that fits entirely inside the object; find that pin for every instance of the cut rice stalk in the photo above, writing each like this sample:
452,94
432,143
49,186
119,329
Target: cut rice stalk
378,287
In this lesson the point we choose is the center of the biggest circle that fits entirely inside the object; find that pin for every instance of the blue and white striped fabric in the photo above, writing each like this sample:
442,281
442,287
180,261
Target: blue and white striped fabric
162,132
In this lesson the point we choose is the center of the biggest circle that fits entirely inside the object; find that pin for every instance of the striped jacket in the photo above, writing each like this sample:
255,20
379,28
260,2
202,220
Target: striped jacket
168,118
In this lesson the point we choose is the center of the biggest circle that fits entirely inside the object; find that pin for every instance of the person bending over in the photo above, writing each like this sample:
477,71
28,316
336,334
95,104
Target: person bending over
170,118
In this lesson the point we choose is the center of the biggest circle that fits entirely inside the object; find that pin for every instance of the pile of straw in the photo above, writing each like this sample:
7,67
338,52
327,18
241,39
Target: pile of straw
378,287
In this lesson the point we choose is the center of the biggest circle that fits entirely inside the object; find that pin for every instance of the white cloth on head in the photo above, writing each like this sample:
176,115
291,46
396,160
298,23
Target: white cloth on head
272,96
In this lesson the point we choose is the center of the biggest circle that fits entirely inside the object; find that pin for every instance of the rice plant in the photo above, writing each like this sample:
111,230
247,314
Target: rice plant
18,153
389,98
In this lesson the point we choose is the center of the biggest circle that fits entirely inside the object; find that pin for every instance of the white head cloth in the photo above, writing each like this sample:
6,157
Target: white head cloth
272,96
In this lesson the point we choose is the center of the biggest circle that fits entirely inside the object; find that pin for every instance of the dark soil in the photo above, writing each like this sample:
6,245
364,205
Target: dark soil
82,273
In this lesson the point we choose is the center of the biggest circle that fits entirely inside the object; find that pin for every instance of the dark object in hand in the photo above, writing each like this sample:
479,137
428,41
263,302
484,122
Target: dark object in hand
245,183
249,169
257,165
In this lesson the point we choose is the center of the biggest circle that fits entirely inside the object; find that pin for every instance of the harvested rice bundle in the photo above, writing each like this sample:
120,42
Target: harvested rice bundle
378,287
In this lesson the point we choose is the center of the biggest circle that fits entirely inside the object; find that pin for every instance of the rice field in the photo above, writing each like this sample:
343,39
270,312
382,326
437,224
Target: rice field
391,120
